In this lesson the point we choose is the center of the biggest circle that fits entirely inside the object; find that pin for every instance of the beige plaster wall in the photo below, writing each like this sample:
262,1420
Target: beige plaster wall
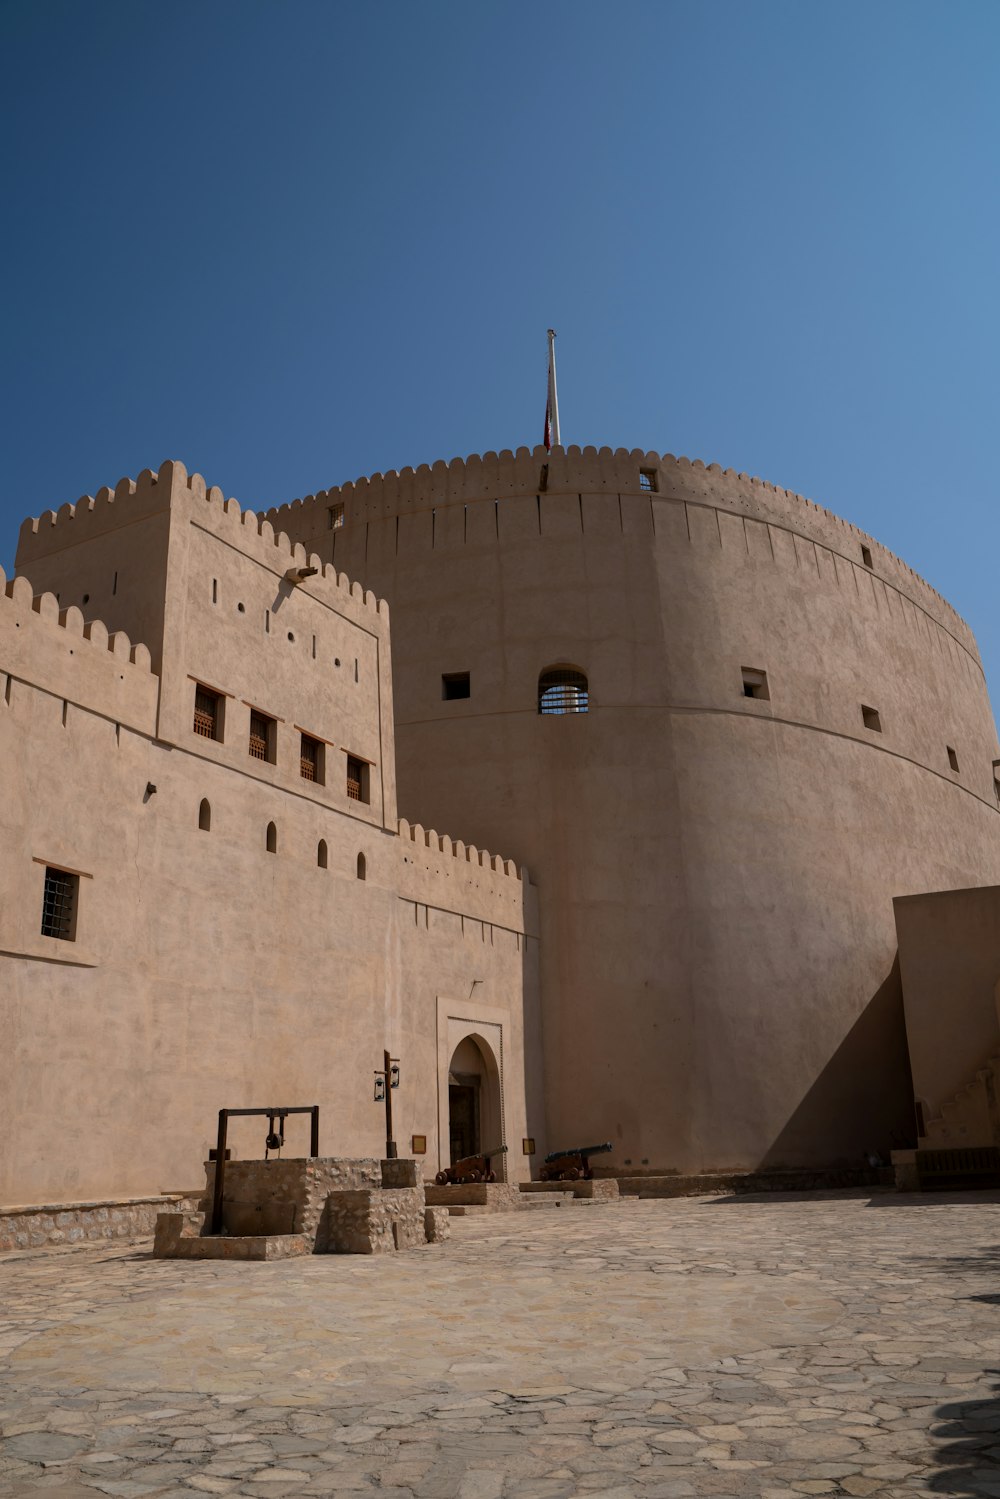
949,953
207,972
719,975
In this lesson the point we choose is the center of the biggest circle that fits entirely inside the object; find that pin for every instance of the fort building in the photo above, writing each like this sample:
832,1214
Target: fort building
208,899
723,729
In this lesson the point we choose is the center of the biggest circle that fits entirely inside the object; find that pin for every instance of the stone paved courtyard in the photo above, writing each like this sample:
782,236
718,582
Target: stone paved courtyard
831,1344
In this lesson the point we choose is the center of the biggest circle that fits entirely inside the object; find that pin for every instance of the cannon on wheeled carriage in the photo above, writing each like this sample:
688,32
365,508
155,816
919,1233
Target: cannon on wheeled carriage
471,1168
571,1165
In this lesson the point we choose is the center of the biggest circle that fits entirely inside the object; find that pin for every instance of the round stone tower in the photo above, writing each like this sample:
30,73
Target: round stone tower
770,726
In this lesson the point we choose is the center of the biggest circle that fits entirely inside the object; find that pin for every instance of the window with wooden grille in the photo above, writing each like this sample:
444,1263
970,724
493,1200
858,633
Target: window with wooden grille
563,689
357,779
335,514
59,903
261,736
207,712
647,480
311,766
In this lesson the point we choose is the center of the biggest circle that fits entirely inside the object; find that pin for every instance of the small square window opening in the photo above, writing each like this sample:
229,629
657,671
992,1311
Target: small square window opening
866,556
262,736
952,758
872,719
647,480
454,685
357,780
207,712
755,683
60,899
311,760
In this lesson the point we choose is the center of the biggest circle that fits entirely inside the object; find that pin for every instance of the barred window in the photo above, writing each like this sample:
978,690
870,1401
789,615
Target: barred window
311,758
336,517
59,903
647,480
261,736
207,712
563,689
357,779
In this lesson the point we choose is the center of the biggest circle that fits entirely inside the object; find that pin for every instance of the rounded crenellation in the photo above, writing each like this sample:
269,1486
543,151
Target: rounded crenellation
656,477
19,593
134,499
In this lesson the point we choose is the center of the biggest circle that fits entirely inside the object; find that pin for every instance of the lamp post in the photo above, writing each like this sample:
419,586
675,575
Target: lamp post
385,1080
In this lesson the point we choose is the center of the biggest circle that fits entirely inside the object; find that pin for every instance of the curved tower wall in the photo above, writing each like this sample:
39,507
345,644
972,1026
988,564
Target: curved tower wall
716,872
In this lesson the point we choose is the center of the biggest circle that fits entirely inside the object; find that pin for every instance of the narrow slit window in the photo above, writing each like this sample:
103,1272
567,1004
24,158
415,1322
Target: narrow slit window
871,718
311,766
205,816
335,517
647,480
866,556
755,683
357,779
271,838
60,899
952,759
322,856
362,867
262,736
215,590
207,712
563,689
454,685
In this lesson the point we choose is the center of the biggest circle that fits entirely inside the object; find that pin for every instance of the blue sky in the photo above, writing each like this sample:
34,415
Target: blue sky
290,243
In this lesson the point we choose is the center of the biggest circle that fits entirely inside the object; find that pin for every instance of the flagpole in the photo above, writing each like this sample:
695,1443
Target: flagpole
552,408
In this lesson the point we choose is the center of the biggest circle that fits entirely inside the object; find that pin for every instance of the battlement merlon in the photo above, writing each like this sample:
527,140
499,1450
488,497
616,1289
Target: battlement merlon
449,875
171,491
601,471
58,652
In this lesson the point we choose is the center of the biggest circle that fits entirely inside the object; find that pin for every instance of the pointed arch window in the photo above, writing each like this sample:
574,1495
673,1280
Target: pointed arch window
272,838
563,689
205,815
322,857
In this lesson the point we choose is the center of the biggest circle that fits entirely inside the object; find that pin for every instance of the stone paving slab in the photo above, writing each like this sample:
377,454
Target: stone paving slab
769,1347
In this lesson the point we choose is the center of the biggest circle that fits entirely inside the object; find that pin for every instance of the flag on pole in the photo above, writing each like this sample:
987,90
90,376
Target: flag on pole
551,434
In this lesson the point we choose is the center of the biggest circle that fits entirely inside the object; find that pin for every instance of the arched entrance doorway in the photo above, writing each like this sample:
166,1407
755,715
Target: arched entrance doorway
474,1117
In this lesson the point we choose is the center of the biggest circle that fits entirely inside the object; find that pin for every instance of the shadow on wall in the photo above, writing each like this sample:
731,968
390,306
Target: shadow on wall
865,1086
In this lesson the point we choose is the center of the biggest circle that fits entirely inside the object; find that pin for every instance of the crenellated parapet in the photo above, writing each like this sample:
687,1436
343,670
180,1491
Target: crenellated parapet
171,486
21,601
60,652
652,478
443,872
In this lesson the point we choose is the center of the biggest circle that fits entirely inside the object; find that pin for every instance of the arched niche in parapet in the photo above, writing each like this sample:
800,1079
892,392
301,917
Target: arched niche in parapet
563,688
475,1114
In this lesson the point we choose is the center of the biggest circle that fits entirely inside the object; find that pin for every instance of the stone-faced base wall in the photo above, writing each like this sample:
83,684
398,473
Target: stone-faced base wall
284,1196
80,1222
364,1221
498,1197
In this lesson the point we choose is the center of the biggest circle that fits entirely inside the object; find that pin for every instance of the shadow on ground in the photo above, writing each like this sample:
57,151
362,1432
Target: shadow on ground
970,1455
